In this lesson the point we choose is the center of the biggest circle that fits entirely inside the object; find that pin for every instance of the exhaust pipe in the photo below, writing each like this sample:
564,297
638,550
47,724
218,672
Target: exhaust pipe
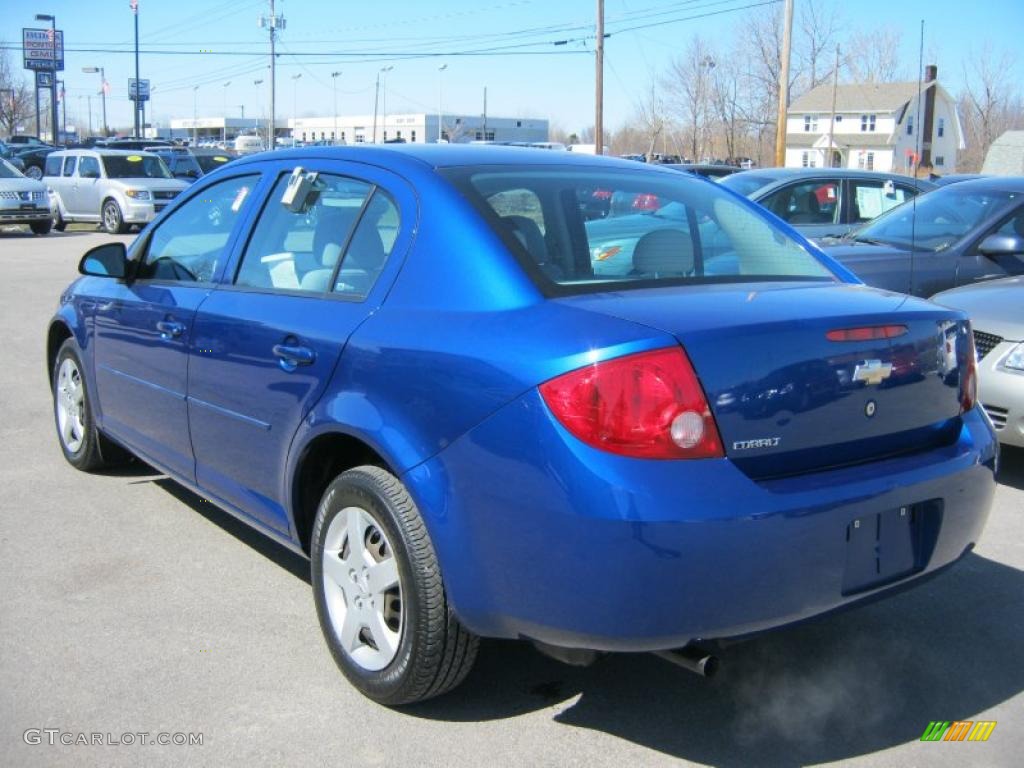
693,658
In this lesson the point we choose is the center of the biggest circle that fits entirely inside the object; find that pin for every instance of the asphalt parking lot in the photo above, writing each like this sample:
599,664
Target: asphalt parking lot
130,605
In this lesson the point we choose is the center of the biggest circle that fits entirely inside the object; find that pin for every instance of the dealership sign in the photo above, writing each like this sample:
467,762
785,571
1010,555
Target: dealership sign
43,49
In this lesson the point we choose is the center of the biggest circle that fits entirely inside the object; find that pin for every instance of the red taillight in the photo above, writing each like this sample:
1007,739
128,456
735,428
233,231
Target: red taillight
866,333
647,405
969,376
646,202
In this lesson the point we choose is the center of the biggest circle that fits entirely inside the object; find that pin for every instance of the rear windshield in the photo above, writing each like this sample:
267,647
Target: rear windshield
135,167
590,230
745,184
211,162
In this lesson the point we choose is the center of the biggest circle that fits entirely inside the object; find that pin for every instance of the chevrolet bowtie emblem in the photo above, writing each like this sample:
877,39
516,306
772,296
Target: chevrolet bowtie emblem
872,371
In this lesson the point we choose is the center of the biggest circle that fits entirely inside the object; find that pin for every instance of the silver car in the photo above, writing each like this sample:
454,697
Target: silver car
117,188
996,309
23,200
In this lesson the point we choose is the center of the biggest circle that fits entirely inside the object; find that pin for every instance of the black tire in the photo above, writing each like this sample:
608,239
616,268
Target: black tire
434,653
41,227
34,172
95,451
112,218
58,221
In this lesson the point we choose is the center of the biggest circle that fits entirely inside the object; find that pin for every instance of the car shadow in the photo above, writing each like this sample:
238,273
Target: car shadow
295,564
1011,467
846,685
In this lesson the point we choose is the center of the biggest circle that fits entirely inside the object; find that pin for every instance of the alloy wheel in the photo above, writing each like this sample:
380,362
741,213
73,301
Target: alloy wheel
363,588
69,398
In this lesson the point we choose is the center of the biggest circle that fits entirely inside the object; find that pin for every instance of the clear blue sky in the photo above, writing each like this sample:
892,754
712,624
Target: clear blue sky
558,85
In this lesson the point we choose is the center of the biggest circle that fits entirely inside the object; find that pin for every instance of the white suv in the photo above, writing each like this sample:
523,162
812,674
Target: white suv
117,188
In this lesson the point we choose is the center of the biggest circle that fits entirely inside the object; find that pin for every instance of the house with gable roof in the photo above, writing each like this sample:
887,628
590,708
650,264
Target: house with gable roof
876,126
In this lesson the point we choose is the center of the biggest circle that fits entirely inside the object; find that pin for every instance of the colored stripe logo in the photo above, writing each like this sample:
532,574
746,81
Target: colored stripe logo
958,730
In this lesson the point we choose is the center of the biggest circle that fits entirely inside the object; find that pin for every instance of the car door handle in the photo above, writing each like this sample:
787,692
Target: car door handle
292,356
170,329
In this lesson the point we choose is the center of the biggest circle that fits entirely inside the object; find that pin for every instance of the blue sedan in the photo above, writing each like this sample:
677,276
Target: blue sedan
402,363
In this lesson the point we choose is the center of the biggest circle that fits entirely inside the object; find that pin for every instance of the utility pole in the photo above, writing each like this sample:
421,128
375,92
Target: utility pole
599,92
832,117
195,118
780,121
273,23
485,113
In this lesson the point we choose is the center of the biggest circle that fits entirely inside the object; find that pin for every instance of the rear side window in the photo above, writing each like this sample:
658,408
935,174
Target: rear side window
370,247
69,166
52,166
189,245
870,199
89,168
300,250
600,229
812,202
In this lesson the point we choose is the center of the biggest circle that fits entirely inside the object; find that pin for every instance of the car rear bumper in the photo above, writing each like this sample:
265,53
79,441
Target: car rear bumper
540,536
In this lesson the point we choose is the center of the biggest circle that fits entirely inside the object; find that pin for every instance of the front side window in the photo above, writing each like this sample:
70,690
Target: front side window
135,167
299,250
190,244
677,230
69,166
812,202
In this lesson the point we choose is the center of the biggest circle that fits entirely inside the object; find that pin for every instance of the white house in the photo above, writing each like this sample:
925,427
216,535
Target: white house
876,127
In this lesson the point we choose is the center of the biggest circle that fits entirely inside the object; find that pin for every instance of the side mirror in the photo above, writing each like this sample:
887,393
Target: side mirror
107,260
1002,245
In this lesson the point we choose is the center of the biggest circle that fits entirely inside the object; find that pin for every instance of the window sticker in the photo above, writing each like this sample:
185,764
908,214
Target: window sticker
239,199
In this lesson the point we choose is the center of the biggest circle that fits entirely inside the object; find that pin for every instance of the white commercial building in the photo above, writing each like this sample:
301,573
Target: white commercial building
418,128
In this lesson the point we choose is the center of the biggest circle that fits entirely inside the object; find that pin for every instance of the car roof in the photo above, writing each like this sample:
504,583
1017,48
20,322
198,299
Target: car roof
103,151
420,156
788,174
990,183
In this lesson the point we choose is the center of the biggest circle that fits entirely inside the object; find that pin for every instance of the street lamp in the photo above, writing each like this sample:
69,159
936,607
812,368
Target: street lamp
134,5
334,80
195,118
259,105
295,103
103,91
53,72
376,98
440,119
224,126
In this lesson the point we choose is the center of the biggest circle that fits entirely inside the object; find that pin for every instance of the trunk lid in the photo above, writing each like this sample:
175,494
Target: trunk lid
789,400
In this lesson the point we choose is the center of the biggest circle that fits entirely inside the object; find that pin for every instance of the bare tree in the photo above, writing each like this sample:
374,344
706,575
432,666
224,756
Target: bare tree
874,57
688,86
989,105
726,101
651,118
15,97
